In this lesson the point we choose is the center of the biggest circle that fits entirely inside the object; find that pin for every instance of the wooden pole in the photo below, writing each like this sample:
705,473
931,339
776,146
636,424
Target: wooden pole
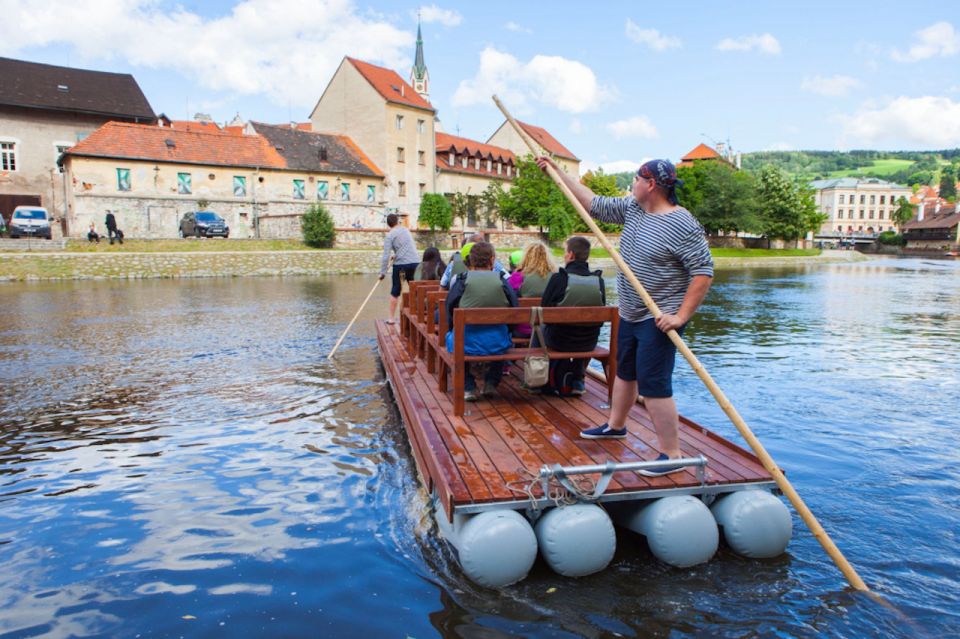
805,514
356,315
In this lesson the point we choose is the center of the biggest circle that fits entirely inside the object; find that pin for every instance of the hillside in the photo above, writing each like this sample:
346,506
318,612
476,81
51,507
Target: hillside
904,167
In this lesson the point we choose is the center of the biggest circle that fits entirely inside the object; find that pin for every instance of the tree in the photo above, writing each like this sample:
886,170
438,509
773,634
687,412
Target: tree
460,206
720,197
436,212
787,210
534,200
490,202
948,183
601,184
903,213
317,227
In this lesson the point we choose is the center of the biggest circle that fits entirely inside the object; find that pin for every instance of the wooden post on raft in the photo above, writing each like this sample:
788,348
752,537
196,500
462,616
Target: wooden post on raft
808,518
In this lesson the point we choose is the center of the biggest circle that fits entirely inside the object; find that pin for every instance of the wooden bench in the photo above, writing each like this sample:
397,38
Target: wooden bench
412,312
455,362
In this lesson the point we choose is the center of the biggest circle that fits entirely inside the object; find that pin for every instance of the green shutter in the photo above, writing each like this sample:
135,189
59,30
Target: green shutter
323,191
239,186
123,179
371,193
345,191
184,184
298,189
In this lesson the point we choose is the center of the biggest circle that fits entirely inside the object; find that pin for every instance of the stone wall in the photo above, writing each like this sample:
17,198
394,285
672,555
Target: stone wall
55,266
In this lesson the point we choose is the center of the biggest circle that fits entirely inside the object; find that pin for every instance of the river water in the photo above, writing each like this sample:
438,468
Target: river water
178,458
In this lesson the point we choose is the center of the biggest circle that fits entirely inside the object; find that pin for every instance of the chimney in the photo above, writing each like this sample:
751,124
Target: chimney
401,91
920,211
936,209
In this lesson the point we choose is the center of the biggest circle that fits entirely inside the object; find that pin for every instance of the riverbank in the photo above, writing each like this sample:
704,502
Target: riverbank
191,259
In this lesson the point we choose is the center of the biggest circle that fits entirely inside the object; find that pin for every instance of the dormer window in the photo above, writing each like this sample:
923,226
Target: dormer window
476,163
453,160
62,88
463,161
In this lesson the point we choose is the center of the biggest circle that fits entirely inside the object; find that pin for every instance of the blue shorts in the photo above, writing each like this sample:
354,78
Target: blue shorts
646,355
408,270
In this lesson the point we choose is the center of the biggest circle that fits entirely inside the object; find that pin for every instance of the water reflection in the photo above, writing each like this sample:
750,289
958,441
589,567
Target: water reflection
179,457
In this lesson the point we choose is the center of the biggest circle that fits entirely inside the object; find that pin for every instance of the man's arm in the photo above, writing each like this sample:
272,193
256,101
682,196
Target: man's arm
697,290
453,300
583,194
445,278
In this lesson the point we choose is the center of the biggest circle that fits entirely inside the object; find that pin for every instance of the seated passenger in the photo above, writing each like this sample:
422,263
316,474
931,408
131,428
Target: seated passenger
481,287
573,285
456,265
431,267
92,235
531,277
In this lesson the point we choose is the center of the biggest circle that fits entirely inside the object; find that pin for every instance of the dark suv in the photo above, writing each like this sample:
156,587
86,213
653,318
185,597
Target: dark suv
203,224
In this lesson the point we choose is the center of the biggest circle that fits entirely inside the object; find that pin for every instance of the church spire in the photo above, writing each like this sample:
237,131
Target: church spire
419,77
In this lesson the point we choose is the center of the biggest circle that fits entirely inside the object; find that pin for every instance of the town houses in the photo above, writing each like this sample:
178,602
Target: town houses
86,143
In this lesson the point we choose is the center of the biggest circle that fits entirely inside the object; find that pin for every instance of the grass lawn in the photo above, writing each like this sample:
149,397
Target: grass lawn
184,246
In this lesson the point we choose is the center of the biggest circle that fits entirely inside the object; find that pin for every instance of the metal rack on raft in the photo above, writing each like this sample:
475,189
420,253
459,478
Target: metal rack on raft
511,477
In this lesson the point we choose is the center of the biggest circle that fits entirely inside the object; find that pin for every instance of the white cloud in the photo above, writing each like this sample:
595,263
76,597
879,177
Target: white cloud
939,39
255,49
639,126
614,166
651,37
928,121
764,43
446,17
513,26
557,82
834,85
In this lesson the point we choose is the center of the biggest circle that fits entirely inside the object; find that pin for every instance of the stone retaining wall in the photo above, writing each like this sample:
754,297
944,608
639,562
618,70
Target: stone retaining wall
57,266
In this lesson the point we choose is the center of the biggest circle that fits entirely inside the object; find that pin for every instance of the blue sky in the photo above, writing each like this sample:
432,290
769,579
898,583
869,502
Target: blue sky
616,82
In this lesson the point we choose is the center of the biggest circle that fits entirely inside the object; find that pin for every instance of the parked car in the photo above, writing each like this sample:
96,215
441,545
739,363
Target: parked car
33,221
203,224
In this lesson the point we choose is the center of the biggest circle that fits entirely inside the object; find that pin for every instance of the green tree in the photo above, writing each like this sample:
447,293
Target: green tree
948,183
904,212
317,227
436,212
601,184
534,200
490,202
460,206
787,210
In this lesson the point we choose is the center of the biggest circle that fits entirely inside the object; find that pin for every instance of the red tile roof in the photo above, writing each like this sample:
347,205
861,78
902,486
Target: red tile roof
193,125
701,152
547,141
945,219
389,85
446,143
150,143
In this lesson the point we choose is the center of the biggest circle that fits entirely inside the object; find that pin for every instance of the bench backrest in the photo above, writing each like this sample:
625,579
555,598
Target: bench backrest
551,315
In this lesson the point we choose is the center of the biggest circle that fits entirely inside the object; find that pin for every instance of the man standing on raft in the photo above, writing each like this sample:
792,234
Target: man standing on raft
665,247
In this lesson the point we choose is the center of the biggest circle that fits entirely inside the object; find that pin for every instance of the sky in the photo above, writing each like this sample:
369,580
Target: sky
615,82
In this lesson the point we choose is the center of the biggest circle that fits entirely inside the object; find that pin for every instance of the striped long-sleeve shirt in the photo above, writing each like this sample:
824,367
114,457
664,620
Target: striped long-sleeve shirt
663,250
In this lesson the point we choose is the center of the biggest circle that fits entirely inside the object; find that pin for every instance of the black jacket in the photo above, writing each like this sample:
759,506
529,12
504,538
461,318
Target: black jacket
110,222
570,337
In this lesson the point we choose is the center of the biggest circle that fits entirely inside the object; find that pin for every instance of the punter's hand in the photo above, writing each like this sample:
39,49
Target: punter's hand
382,275
543,162
668,322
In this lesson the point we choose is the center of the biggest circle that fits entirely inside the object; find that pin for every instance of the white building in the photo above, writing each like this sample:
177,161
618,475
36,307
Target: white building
855,205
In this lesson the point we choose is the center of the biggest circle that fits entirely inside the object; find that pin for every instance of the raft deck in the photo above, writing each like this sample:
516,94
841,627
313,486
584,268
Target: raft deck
470,462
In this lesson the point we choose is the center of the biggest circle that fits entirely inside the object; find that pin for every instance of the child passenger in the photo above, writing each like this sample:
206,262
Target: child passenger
481,287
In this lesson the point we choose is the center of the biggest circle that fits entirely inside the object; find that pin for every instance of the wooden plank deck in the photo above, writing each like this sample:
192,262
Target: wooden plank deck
469,461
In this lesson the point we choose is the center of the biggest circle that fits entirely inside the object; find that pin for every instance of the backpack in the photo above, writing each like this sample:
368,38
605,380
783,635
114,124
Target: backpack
562,374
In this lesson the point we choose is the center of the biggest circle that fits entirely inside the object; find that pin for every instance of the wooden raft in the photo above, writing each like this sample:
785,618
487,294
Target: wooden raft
469,461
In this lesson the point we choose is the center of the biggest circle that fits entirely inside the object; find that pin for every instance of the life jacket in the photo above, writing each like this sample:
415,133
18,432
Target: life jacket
458,265
583,290
483,289
533,285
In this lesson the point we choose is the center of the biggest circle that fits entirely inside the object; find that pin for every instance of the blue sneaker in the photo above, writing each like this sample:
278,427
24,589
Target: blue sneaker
657,472
604,432
577,387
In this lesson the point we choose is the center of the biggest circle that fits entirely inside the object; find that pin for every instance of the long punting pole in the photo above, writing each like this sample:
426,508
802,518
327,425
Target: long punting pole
808,518
350,325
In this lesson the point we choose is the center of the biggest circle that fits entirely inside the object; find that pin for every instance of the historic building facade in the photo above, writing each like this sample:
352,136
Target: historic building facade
857,206
46,109
260,181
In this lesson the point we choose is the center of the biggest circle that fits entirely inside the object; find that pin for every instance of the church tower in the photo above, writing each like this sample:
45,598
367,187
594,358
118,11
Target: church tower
419,77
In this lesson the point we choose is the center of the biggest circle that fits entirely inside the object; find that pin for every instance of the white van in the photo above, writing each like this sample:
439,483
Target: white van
32,221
